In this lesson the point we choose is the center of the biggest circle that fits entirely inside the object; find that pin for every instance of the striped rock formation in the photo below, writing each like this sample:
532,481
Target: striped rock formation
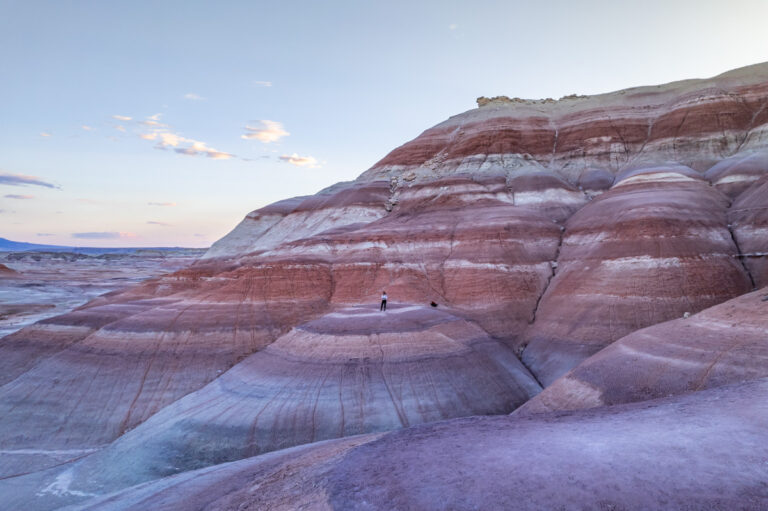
748,216
74,383
560,225
653,247
135,352
459,242
734,175
725,344
301,217
693,122
349,372
705,450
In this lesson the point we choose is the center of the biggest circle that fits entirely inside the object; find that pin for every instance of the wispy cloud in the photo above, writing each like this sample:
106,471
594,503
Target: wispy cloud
217,155
153,121
184,145
262,83
86,127
453,26
269,131
45,234
161,203
163,224
21,197
153,124
300,161
45,134
102,235
166,139
194,97
22,180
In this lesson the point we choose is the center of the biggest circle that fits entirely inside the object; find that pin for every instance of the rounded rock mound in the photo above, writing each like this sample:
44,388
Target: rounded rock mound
698,451
352,371
724,344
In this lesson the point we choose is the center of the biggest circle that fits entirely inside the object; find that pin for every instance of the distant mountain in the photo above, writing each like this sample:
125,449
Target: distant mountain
7,245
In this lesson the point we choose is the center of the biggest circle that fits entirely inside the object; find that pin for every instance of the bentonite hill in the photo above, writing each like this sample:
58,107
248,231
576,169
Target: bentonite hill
600,339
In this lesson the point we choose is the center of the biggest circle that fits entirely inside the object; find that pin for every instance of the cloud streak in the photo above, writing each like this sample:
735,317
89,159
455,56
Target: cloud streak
45,134
102,235
263,83
162,224
181,145
21,197
268,132
167,204
300,161
122,117
23,180
193,97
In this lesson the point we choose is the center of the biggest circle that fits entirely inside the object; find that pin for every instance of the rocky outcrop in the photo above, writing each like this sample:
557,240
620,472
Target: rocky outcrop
653,247
700,451
725,344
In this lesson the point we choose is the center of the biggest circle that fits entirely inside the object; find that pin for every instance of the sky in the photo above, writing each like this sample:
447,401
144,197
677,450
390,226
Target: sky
163,123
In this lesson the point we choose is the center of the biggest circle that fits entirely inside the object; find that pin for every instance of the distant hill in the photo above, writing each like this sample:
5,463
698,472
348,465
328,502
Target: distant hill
7,245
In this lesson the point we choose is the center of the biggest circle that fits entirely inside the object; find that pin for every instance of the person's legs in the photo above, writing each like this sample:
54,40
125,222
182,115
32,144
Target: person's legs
381,308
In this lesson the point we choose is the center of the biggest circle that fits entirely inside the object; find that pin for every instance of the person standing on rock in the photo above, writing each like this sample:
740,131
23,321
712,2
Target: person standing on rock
383,301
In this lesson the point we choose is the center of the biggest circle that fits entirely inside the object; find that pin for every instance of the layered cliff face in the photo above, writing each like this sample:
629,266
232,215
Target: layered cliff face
301,217
749,222
653,247
543,231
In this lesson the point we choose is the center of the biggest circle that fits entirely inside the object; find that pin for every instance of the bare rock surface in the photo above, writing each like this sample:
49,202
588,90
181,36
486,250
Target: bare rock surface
653,247
693,122
459,242
549,227
700,451
125,357
749,223
300,217
352,371
735,174
7,272
727,343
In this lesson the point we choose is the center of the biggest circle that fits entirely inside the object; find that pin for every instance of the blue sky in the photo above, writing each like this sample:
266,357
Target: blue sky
149,119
